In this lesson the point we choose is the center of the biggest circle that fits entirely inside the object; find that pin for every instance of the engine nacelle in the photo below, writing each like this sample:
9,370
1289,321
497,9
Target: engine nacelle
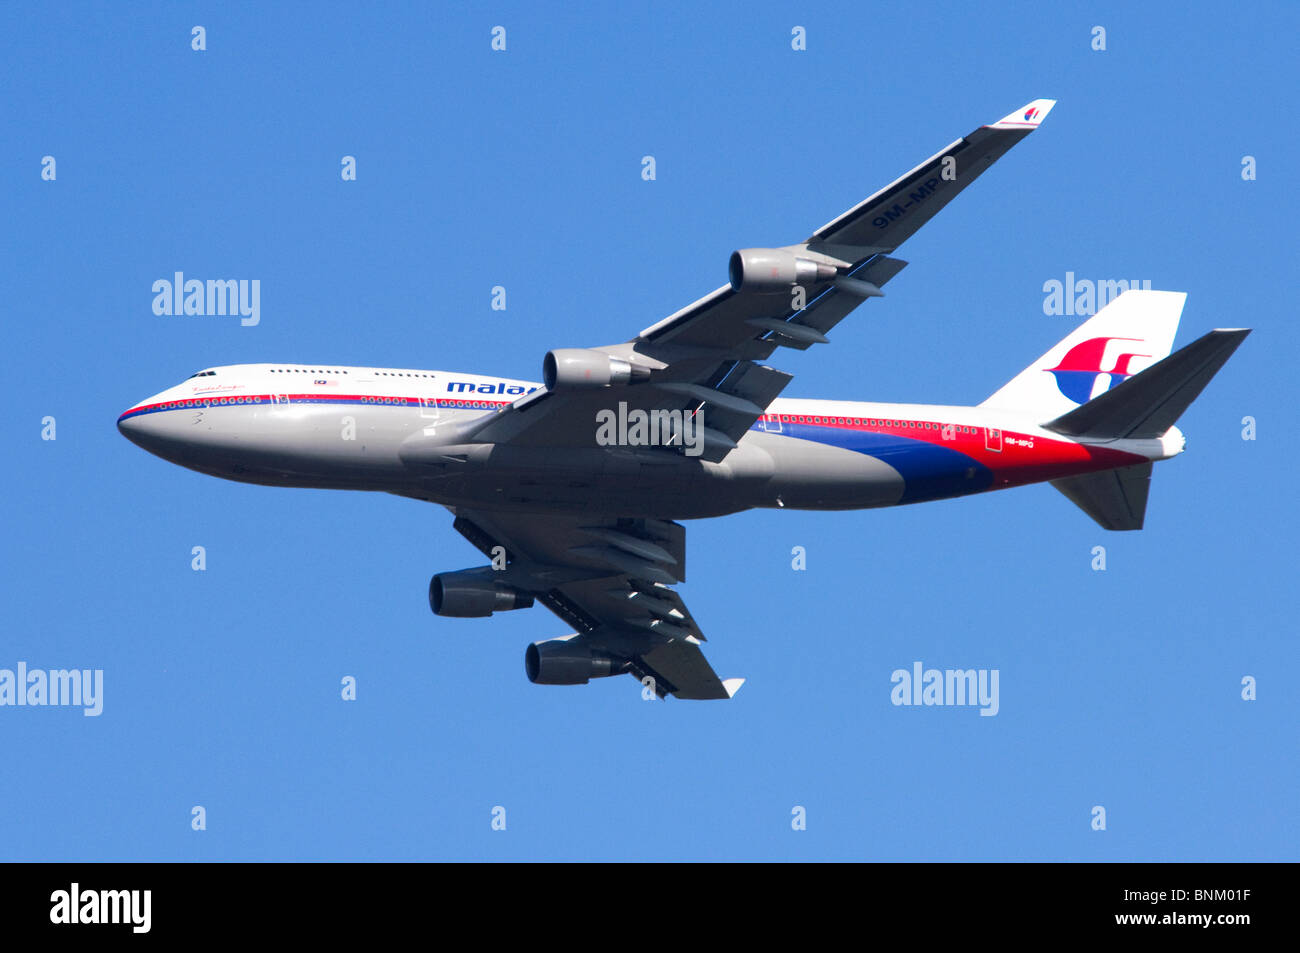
774,270
473,593
570,368
568,661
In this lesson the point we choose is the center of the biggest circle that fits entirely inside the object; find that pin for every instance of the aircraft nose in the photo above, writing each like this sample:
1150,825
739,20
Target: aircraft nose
127,425
143,427
133,423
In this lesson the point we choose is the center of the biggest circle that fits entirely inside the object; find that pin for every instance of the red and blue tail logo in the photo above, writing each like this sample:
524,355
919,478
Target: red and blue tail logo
1079,369
1031,113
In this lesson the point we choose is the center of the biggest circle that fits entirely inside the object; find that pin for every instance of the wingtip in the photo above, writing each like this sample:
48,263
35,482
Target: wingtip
732,685
1027,116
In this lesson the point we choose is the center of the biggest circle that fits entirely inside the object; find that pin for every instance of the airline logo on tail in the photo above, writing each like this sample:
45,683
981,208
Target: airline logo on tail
1079,369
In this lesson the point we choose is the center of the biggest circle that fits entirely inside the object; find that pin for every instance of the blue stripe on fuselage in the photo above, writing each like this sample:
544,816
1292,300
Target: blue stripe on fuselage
930,471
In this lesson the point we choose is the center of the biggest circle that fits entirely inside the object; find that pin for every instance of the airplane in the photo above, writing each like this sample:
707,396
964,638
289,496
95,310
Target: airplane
572,487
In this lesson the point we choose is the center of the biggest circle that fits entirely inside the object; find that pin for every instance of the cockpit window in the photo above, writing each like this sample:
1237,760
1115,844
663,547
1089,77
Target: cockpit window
202,374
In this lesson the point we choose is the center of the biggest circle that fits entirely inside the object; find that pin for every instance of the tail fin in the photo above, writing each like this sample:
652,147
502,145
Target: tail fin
1146,405
1130,333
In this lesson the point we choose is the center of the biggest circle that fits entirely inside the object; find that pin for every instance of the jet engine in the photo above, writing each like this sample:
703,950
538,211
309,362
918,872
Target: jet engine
774,270
568,661
473,593
572,368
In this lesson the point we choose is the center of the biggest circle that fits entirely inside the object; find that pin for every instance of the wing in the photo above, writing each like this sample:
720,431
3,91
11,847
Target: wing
707,358
611,581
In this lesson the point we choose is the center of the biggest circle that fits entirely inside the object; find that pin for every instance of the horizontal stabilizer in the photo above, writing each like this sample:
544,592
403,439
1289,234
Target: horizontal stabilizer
1116,499
1147,404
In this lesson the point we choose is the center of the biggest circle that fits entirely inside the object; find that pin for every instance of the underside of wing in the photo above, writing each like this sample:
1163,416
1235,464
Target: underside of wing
611,581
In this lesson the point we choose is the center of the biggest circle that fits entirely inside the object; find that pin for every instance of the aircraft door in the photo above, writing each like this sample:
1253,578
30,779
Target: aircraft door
429,414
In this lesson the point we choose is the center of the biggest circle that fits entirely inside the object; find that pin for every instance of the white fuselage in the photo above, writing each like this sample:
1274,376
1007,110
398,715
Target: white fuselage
397,430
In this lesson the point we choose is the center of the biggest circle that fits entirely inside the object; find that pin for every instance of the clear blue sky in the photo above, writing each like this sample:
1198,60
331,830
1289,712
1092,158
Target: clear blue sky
1118,688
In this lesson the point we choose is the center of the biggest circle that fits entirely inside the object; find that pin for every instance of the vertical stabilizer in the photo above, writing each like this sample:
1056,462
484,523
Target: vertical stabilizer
1128,335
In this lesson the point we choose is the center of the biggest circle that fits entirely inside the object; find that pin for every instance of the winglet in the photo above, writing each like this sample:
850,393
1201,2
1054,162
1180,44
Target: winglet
1027,116
732,685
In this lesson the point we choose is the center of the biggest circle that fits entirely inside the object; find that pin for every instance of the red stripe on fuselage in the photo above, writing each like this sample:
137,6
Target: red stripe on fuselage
1024,458
378,400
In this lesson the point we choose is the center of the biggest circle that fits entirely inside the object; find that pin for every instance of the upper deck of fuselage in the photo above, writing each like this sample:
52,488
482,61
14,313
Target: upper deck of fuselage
329,383
394,381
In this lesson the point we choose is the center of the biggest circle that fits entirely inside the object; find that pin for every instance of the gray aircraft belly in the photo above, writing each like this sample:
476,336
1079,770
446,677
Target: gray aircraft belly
396,449
811,475
312,445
